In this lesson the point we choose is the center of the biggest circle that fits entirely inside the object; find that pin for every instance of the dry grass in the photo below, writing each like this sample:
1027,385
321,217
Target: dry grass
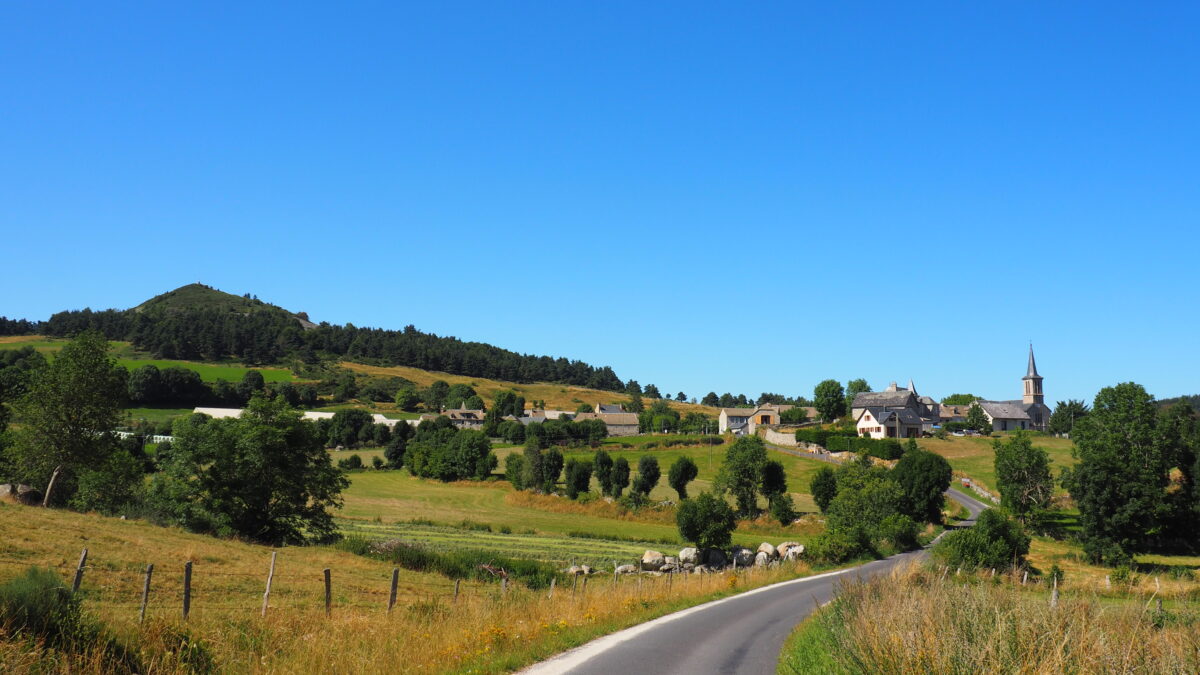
484,631
1097,580
557,396
917,621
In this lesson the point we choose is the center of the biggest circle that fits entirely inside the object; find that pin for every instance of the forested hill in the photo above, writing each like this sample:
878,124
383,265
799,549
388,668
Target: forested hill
201,323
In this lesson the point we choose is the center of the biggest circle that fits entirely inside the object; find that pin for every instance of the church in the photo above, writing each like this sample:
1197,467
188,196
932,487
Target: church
1030,412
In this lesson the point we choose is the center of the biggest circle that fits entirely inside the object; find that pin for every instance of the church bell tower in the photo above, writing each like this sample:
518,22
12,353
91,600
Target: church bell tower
1033,383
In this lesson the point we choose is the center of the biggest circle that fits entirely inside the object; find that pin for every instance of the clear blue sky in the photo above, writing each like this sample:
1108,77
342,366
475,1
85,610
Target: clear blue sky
704,196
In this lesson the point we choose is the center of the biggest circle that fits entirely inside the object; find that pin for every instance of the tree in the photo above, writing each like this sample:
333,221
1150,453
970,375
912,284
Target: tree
1022,476
145,385
923,477
620,476
265,476
681,397
635,403
67,415
823,487
585,408
861,511
514,470
741,473
978,420
552,466
783,509
774,481
651,391
706,521
633,388
1066,413
796,415
960,399
347,427
474,402
648,475
830,400
854,387
578,477
1119,483
710,399
397,445
534,477
682,472
436,395
603,467
994,542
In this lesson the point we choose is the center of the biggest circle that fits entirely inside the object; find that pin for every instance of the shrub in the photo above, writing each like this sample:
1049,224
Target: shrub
707,521
682,472
648,475
783,509
377,462
456,564
994,541
834,548
350,463
900,530
514,470
824,487
1123,574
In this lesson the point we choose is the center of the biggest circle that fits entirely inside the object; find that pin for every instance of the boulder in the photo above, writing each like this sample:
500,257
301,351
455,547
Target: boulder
670,560
700,569
782,549
768,549
689,556
794,552
713,558
574,569
669,568
627,569
742,557
688,567
584,569
28,495
761,559
652,560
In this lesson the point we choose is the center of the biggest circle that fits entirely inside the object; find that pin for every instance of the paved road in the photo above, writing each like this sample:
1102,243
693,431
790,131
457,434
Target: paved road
741,634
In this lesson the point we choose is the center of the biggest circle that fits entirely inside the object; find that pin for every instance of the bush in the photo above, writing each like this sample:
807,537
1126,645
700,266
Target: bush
350,463
377,462
900,530
834,548
783,509
514,470
883,448
995,541
457,564
707,521
824,487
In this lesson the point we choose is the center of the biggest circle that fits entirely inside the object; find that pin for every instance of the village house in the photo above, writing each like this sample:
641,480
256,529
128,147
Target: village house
618,423
907,405
889,423
744,421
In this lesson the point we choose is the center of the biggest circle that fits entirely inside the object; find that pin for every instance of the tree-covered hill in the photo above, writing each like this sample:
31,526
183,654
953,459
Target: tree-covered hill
201,323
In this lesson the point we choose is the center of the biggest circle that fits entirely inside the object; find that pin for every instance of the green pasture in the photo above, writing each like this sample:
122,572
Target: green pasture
156,415
974,456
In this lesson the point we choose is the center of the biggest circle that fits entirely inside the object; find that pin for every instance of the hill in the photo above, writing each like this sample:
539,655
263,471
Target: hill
197,296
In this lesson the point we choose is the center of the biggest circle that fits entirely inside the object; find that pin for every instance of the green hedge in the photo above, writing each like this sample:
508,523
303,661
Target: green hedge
883,448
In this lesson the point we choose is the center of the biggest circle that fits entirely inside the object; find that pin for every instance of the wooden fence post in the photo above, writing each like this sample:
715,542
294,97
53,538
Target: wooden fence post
187,589
456,583
328,592
550,595
145,593
574,583
1054,594
270,578
392,594
585,584
503,585
1025,577
79,572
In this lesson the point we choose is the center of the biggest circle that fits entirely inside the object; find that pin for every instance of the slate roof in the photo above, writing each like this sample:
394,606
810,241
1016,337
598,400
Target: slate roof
738,412
885,416
882,399
1005,410
1032,370
610,408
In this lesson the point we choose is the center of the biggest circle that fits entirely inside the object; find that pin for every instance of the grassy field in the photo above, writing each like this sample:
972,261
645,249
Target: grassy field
156,414
482,631
975,457
557,396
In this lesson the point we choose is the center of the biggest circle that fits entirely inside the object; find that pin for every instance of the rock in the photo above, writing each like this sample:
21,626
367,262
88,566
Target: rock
713,558
6,489
652,560
768,549
689,556
29,496
574,569
761,559
670,560
584,569
782,549
688,567
794,552
669,568
742,557
627,569
700,569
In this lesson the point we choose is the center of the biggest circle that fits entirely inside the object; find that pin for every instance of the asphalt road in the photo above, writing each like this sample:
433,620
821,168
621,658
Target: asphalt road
741,634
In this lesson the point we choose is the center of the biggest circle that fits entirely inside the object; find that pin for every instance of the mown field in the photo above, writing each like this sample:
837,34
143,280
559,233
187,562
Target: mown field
975,457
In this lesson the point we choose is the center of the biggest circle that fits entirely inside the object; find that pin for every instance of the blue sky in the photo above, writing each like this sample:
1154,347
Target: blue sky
704,196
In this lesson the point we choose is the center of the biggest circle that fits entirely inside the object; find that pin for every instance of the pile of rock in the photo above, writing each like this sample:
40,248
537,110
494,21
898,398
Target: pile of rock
22,494
699,561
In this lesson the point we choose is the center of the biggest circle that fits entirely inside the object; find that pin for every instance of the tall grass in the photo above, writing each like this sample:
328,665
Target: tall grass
918,621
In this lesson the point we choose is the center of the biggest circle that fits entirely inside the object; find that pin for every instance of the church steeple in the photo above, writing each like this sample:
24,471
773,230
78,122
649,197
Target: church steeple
1033,382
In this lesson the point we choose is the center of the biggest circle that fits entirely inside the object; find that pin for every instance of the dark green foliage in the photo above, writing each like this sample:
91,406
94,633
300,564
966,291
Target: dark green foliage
659,418
682,472
774,480
854,387
823,487
397,445
783,509
834,548
552,466
350,463
407,399
1120,481
265,476
861,507
710,399
377,462
603,466
648,475
111,487
977,420
533,477
923,477
883,448
585,408
449,454
830,400
706,521
346,428
620,476
960,399
797,415
456,564
1066,414
820,436
514,470
1023,476
995,541
741,473
578,477
67,413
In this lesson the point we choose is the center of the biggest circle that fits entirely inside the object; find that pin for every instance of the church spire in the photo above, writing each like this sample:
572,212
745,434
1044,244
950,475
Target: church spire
1032,382
1032,365
912,387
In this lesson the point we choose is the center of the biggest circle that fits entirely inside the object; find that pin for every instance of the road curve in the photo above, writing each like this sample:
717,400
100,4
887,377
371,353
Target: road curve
739,634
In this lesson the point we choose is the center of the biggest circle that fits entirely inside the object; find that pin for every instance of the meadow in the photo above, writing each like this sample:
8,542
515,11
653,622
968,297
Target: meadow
974,457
